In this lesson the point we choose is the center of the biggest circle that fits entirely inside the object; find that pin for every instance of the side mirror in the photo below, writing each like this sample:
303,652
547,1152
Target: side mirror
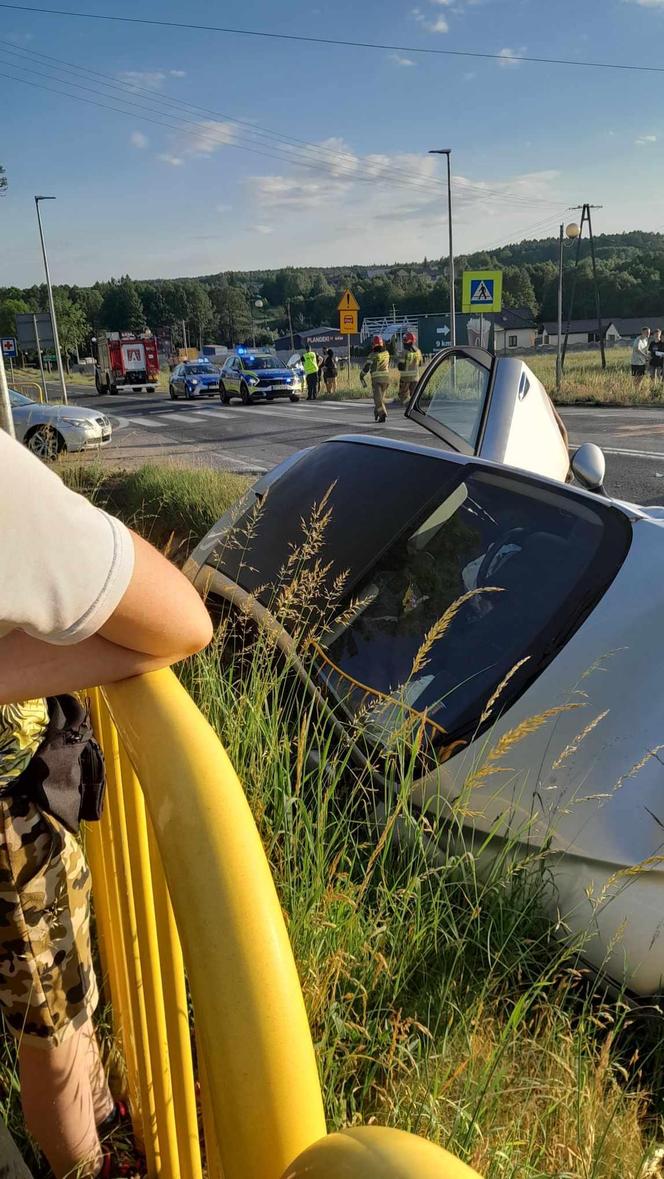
589,467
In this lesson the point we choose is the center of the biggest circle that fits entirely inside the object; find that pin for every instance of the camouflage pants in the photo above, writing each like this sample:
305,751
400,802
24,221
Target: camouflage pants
47,983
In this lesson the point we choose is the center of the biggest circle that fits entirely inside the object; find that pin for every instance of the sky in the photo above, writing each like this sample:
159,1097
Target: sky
176,152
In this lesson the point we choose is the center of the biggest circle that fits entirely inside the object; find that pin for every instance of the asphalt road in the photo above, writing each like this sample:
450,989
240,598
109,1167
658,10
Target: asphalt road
252,439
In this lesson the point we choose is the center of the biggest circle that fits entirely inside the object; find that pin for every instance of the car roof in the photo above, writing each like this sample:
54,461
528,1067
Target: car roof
630,510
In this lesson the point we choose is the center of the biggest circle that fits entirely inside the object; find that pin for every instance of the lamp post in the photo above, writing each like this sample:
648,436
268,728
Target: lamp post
51,304
254,303
571,231
447,151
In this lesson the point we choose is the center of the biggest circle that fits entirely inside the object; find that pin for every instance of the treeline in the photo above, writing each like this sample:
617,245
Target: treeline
236,306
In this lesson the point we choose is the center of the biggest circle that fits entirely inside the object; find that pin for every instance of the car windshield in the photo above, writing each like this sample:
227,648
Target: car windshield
17,398
258,362
455,576
198,369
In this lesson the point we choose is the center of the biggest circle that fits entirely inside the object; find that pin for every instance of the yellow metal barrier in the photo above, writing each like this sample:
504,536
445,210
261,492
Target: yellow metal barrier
186,835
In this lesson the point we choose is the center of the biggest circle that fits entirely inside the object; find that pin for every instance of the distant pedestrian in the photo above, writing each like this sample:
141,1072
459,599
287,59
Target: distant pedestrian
378,365
330,372
409,364
656,350
310,362
319,360
641,355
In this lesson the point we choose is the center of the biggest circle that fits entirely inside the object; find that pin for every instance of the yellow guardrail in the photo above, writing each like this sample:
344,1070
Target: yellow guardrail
180,882
23,386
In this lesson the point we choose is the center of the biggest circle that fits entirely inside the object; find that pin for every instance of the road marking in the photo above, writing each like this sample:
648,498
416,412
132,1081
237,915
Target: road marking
300,414
146,421
648,454
244,461
177,415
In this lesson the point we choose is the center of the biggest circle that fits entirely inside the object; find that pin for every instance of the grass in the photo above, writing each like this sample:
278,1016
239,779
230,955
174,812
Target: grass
439,997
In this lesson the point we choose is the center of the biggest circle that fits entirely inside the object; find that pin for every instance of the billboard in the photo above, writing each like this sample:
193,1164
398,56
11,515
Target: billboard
25,331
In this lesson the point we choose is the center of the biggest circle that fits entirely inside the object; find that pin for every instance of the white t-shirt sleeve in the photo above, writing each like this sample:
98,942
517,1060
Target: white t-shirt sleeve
64,564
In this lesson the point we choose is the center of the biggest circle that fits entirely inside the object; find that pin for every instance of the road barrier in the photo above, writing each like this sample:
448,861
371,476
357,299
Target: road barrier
181,883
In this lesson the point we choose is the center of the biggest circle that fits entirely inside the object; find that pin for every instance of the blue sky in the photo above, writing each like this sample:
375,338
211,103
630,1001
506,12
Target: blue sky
169,189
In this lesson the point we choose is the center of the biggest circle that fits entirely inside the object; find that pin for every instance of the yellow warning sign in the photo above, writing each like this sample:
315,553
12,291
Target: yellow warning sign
348,302
348,322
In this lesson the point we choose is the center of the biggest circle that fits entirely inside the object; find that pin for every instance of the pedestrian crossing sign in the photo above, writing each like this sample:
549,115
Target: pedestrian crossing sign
482,291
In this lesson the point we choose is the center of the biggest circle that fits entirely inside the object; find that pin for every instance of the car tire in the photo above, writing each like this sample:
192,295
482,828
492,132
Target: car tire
173,395
150,388
223,395
294,397
46,443
188,394
101,390
244,394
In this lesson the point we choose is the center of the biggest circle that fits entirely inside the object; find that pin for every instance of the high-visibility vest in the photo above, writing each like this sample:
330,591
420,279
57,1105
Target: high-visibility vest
412,359
310,362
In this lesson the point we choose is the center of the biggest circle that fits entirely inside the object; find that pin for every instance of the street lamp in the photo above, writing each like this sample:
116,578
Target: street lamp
51,304
570,231
447,151
256,303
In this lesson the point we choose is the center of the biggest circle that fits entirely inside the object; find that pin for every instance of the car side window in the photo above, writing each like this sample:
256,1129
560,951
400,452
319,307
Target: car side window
504,568
454,396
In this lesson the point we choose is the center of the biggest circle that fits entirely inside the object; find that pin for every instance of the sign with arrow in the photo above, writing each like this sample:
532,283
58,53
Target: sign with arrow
348,308
482,291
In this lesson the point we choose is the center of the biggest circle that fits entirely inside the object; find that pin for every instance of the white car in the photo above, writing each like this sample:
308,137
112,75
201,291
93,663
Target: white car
555,597
51,430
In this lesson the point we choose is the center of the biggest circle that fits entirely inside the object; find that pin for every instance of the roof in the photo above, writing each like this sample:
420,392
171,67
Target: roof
581,325
628,327
632,326
513,317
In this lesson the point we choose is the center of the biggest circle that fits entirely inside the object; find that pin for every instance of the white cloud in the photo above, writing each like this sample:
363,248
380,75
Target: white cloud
174,161
509,57
138,139
437,25
221,208
263,229
207,137
644,140
177,73
143,79
648,3
399,60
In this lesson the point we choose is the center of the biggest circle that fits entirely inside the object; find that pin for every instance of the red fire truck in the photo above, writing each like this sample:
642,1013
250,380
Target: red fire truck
126,361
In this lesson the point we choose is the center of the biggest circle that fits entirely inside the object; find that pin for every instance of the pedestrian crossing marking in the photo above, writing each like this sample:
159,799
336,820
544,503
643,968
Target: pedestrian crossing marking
481,291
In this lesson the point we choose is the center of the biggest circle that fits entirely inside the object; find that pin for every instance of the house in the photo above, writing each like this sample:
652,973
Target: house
513,329
629,328
584,331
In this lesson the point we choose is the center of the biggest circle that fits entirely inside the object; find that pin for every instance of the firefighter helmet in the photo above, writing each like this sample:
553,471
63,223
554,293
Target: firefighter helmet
378,342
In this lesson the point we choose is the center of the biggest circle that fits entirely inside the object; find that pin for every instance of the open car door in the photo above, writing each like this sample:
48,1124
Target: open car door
491,406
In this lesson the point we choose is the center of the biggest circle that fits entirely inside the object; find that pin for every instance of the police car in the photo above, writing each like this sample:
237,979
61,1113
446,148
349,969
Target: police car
257,376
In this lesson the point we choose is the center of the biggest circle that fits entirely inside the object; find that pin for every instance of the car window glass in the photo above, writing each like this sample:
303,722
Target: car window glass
500,568
454,395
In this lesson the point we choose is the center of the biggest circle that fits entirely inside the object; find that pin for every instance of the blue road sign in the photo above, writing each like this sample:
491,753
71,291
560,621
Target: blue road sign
481,291
8,345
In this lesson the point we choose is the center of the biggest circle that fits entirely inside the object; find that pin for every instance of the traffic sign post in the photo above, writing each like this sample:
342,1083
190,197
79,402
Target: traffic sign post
348,308
482,291
9,352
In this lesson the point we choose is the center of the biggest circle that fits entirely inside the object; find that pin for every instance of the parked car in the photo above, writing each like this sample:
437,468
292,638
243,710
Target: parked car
257,376
51,430
554,597
199,379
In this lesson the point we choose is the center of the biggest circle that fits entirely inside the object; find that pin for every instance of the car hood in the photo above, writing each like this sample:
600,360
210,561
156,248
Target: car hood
55,413
272,373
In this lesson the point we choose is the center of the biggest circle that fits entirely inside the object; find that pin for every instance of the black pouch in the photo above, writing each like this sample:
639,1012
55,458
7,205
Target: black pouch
66,777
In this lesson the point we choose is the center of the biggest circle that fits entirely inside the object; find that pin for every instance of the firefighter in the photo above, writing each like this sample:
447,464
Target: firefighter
378,365
409,365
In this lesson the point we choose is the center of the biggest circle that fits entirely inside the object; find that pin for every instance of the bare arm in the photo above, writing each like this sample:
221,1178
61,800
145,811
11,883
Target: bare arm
159,620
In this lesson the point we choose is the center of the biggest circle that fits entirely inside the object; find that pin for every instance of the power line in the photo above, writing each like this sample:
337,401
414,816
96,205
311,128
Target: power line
294,144
357,172
347,44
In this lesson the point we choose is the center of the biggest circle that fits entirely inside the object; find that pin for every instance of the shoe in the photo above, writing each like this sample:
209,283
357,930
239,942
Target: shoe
382,417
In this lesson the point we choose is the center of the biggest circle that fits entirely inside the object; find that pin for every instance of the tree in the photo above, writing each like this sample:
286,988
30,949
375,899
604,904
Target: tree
9,309
73,326
518,290
122,310
3,180
233,315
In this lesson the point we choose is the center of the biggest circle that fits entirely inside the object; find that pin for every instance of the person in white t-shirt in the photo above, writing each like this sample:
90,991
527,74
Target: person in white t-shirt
641,355
83,601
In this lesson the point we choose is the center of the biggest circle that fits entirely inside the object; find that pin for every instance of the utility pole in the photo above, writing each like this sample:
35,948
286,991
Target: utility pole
185,343
572,231
6,419
585,217
290,327
447,151
51,304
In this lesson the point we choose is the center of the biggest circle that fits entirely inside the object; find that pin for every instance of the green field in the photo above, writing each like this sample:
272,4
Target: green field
439,996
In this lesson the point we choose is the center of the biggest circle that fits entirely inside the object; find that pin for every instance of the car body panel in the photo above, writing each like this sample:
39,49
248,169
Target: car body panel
194,379
29,415
258,376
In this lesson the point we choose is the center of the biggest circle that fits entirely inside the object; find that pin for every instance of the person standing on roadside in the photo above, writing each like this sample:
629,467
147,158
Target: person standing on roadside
641,355
378,365
330,372
310,362
85,602
319,361
656,350
409,364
